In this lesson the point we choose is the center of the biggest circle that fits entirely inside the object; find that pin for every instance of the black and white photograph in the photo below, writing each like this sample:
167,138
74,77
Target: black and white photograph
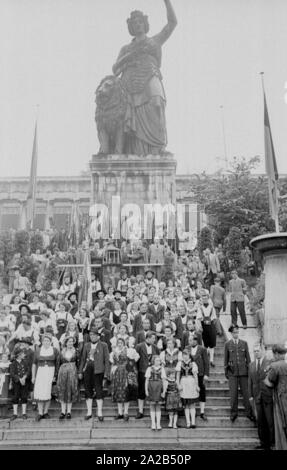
143,228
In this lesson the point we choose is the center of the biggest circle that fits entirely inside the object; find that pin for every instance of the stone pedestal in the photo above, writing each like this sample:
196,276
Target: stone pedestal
274,249
133,179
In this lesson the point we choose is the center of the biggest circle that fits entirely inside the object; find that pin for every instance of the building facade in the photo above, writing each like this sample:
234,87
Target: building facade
56,195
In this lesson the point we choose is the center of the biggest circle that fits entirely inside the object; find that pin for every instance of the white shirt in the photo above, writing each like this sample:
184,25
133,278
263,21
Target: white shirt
148,348
194,351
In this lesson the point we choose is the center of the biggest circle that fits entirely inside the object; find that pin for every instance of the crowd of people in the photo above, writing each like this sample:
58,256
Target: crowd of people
147,338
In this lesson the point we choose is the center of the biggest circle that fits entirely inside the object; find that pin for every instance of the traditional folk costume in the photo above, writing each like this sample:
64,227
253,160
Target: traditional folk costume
47,362
67,383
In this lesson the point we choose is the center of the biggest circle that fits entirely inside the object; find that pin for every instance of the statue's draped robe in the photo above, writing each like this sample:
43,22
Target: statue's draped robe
145,123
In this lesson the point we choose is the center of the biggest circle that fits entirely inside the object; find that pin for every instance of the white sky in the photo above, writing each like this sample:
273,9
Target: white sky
55,52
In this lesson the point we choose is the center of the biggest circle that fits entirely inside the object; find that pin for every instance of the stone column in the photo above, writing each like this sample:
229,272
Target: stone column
274,249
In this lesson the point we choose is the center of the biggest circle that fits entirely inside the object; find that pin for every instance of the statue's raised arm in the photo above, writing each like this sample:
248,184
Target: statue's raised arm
138,71
171,22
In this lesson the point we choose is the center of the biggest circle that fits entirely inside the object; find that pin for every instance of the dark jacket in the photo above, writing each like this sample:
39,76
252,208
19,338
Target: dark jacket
106,337
201,360
18,370
179,328
157,315
185,339
256,386
138,323
236,358
143,362
140,337
101,359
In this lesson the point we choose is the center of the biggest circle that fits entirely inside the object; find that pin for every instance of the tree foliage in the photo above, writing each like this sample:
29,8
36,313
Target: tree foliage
29,268
22,242
51,274
235,199
205,239
7,247
36,243
233,247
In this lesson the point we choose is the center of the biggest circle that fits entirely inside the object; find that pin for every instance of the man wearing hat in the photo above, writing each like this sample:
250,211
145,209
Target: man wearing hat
200,357
20,374
118,298
94,368
236,365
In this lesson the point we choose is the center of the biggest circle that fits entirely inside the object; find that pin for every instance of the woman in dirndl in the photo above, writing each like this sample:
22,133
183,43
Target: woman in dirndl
119,359
206,314
44,372
171,359
155,390
188,387
67,383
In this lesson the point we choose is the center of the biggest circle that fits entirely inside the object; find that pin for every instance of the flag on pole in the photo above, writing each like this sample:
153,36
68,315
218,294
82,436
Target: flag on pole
31,197
271,166
74,228
86,291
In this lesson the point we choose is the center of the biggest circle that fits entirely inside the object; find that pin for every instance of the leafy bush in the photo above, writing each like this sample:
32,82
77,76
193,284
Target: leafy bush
22,242
36,243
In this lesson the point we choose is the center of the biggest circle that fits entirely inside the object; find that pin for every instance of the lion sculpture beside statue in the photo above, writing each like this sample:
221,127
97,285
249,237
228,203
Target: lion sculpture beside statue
111,106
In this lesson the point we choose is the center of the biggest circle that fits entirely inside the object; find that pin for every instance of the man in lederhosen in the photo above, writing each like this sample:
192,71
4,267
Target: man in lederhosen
94,368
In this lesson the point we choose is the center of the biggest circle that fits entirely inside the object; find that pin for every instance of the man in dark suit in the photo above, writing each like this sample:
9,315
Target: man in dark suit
146,351
156,309
141,334
236,364
105,335
94,368
139,317
200,357
262,397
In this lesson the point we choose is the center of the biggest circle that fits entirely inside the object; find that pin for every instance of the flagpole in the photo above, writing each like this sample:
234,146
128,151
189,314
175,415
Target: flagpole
31,198
276,217
224,137
36,133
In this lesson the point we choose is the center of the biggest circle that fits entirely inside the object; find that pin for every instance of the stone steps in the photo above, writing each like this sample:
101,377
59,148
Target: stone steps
221,408
111,423
217,433
106,431
144,444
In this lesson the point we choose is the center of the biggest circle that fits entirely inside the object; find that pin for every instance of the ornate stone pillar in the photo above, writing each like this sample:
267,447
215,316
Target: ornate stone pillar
274,249
136,180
